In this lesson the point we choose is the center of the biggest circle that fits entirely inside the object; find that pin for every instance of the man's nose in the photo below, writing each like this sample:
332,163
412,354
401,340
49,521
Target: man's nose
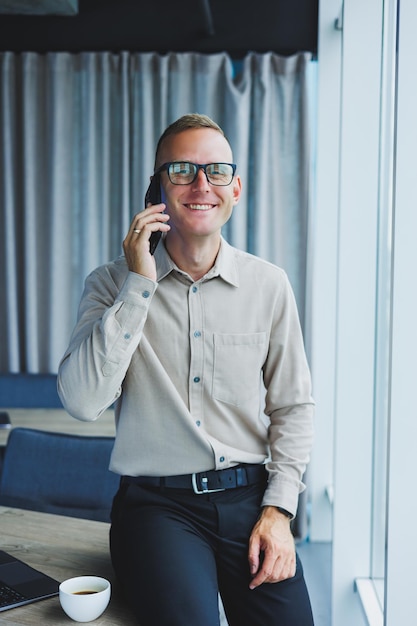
201,180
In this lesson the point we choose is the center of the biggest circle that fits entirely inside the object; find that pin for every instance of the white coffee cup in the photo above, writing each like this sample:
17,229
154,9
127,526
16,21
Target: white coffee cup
84,598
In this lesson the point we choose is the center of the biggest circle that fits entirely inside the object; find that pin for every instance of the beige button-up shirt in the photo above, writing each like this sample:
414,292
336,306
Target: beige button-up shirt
204,375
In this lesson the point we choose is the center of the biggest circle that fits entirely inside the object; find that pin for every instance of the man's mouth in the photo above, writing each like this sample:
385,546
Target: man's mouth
200,207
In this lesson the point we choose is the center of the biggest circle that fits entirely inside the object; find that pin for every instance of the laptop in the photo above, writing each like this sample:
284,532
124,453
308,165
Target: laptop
22,584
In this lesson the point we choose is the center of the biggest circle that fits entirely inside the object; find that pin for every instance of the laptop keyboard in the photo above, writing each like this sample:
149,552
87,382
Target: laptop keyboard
9,597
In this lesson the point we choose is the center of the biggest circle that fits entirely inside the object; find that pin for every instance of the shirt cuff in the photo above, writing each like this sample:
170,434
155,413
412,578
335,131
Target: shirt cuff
137,289
282,493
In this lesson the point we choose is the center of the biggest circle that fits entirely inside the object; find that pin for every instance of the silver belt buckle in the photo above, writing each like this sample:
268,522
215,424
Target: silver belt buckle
204,481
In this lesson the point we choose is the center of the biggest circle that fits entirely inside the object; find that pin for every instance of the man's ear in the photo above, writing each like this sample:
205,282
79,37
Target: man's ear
237,189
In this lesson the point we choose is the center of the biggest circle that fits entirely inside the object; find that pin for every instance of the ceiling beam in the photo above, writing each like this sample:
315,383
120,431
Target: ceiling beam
39,7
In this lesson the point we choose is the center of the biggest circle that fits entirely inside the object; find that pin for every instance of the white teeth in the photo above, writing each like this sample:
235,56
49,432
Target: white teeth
200,207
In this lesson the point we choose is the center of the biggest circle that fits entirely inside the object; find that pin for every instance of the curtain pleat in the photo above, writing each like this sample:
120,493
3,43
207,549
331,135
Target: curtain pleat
77,140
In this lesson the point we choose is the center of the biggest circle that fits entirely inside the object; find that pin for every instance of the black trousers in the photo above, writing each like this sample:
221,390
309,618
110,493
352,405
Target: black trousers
173,551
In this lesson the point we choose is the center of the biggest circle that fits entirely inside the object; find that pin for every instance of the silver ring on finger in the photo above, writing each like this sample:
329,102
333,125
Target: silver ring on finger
135,230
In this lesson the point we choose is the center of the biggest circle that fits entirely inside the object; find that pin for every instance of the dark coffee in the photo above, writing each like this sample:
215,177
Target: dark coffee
83,593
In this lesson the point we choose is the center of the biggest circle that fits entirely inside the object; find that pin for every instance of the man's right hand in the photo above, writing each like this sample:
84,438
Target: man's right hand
136,242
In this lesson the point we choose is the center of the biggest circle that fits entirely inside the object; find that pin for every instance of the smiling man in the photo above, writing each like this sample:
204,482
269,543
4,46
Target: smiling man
185,342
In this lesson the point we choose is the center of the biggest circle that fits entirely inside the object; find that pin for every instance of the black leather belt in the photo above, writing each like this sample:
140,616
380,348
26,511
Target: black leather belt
204,482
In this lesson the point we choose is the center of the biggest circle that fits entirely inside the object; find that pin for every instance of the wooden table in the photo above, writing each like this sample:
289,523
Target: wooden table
61,547
58,420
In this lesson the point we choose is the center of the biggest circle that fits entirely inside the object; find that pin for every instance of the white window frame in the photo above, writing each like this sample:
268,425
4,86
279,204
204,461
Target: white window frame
400,578
343,305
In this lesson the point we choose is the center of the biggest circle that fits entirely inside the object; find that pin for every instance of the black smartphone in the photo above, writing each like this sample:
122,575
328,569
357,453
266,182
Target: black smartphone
153,196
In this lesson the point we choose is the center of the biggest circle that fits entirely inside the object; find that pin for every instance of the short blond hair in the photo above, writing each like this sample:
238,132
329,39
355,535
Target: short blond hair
186,122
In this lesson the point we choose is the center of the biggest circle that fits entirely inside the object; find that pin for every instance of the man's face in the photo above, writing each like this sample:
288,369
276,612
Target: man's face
200,208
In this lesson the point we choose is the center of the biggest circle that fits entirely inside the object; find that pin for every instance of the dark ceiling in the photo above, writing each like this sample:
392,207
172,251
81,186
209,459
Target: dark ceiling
207,26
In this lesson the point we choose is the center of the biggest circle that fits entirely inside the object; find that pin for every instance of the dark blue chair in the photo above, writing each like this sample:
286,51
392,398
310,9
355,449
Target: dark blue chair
58,473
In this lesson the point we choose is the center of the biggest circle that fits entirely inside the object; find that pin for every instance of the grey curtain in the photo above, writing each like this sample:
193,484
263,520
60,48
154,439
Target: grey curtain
77,140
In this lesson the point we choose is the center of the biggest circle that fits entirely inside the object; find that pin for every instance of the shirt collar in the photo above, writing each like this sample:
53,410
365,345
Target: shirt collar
224,266
164,263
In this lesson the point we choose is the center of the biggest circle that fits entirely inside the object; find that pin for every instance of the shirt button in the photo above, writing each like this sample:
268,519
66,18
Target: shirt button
222,459
197,333
198,423
145,294
195,289
196,379
127,336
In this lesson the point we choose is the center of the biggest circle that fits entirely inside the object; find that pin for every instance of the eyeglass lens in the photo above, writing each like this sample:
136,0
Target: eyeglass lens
184,173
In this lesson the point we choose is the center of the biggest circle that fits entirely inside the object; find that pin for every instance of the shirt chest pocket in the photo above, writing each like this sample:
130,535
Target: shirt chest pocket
237,364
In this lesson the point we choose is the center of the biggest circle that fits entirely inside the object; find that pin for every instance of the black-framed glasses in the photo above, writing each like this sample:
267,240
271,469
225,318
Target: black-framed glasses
185,172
